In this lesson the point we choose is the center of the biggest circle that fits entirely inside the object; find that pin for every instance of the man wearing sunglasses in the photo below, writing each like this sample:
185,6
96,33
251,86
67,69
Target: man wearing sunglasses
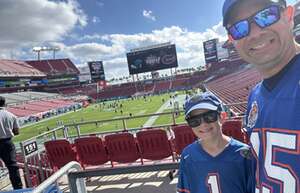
215,163
262,33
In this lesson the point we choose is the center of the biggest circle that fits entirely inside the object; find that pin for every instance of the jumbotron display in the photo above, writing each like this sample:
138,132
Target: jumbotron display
96,70
152,59
210,51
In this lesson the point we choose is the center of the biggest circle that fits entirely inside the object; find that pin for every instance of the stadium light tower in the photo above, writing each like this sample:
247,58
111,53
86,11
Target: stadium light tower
38,50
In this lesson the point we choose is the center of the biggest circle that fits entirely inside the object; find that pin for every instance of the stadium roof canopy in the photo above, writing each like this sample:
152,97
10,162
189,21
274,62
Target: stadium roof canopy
15,68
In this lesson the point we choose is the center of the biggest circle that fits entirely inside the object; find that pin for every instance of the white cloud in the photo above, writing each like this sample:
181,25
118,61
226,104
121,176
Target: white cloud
148,14
96,19
50,21
99,3
189,46
30,22
84,52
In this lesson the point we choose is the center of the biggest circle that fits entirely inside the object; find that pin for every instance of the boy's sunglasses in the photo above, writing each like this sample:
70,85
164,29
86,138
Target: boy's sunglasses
262,18
208,117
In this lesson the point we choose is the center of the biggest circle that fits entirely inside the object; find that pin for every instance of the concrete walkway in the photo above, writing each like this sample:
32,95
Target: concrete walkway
146,182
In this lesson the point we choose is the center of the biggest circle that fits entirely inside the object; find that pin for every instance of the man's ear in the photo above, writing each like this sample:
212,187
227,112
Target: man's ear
289,13
230,39
223,117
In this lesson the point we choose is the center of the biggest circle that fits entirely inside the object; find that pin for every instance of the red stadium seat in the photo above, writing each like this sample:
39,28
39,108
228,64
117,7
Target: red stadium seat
184,136
154,144
91,151
233,128
121,148
59,153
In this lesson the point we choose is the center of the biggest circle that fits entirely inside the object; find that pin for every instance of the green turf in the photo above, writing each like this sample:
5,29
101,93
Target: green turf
167,119
94,112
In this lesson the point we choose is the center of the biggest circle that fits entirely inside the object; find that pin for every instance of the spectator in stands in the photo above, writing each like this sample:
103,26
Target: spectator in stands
262,33
9,127
215,162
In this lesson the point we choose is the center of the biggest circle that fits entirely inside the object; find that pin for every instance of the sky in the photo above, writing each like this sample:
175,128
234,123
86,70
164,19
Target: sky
105,30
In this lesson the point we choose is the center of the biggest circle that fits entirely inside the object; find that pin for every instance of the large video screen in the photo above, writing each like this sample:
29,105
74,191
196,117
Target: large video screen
210,51
152,59
96,70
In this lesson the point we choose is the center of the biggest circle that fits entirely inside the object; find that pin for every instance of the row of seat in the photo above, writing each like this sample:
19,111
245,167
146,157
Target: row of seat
235,87
120,148
150,144
179,82
35,107
54,66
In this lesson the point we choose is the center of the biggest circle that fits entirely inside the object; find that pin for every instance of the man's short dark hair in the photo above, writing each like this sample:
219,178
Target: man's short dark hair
2,101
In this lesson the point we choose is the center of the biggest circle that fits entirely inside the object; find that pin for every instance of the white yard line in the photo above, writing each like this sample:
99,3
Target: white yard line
166,105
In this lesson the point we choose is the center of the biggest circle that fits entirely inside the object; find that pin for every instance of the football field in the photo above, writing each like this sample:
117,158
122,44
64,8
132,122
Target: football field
111,110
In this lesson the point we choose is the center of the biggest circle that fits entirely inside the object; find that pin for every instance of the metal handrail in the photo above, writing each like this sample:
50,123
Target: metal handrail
45,133
119,119
80,183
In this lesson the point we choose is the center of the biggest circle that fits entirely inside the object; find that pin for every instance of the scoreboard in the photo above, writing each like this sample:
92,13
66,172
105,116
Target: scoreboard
152,59
96,70
210,51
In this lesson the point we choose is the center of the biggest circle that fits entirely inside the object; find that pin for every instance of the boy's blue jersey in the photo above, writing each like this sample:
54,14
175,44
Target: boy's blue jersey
232,171
273,119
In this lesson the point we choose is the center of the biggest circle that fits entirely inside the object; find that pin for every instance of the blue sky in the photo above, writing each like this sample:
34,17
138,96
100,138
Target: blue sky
126,16
86,30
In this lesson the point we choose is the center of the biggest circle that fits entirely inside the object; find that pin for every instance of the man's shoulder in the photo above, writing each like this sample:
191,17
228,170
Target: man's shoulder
256,88
6,112
238,144
255,92
241,148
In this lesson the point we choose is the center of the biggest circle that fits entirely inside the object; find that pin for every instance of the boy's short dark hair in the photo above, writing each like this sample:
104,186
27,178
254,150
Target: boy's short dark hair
2,101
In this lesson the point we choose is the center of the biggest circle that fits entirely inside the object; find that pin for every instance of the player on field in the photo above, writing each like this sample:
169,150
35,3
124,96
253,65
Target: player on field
262,33
215,163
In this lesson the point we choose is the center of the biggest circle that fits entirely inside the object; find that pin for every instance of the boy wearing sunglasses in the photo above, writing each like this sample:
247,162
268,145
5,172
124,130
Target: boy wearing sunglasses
262,33
215,163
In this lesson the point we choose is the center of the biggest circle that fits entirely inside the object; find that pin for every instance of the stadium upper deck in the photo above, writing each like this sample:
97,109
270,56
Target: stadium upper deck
55,67
16,68
35,75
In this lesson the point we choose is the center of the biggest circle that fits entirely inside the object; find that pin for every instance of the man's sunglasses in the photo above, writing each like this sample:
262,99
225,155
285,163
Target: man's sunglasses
262,18
208,117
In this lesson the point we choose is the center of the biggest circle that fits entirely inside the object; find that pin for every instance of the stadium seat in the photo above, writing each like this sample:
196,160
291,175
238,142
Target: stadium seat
233,88
59,153
184,136
91,151
46,167
121,148
32,171
154,144
233,128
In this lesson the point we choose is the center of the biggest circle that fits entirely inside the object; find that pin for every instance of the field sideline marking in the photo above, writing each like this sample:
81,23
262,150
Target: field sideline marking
151,120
